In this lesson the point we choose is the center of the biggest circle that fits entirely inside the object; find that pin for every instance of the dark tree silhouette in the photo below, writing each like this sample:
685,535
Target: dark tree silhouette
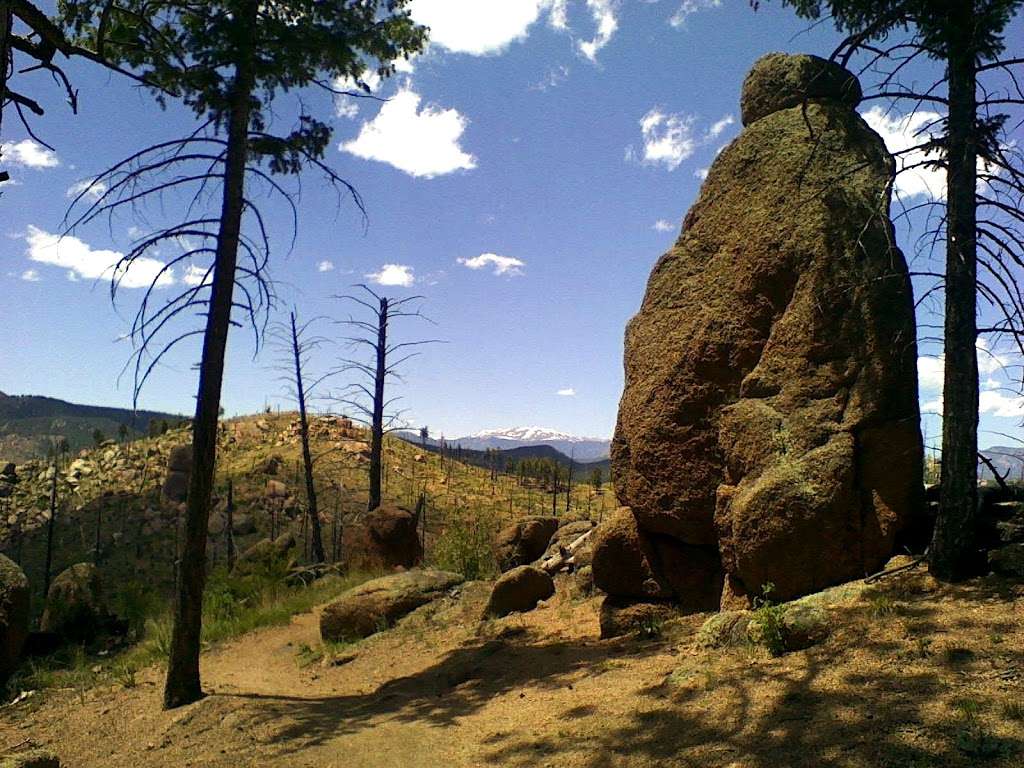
367,397
297,344
981,220
231,62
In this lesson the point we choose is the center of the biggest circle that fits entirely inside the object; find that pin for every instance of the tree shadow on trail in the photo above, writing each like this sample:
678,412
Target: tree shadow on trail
910,678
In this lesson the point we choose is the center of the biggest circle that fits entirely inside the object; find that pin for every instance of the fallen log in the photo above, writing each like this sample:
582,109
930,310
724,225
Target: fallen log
564,557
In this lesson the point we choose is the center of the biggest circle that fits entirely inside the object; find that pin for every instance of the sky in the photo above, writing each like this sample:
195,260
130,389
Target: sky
523,176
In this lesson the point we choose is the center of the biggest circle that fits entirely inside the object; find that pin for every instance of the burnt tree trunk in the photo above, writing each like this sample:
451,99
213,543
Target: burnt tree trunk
307,457
377,417
953,542
183,684
50,526
229,544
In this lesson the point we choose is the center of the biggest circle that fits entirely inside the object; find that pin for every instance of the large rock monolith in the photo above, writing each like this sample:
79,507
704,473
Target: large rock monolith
769,426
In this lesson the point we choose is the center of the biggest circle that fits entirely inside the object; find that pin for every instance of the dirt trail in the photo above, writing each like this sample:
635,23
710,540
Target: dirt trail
887,689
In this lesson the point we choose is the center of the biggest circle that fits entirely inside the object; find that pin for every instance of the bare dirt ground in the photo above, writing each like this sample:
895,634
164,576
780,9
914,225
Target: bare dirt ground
914,676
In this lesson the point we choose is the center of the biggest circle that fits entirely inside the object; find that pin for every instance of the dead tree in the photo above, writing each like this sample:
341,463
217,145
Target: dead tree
262,51
295,340
368,397
229,527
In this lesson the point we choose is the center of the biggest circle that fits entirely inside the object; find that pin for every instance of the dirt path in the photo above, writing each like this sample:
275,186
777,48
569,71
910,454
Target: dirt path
912,677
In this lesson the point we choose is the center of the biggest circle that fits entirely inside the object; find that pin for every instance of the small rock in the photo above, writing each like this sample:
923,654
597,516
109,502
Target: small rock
33,758
519,590
1008,560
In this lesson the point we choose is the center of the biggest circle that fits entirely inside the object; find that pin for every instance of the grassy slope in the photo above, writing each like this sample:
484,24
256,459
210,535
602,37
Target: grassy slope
139,533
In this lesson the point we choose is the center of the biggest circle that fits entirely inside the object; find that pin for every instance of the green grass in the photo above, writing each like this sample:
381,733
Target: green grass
232,607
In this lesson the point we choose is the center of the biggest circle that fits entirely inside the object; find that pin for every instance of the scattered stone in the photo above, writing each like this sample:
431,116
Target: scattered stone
379,603
267,555
75,608
724,630
524,542
800,626
519,590
243,524
755,427
583,577
621,616
1008,560
14,615
276,490
622,559
180,459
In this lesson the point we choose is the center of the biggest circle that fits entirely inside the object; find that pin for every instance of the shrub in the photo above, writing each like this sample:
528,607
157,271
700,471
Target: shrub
768,620
466,547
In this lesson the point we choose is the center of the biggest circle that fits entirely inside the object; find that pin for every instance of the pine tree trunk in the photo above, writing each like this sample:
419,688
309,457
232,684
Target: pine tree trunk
307,457
183,685
952,549
377,420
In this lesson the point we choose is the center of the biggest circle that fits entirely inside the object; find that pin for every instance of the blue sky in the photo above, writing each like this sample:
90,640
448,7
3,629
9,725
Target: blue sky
523,175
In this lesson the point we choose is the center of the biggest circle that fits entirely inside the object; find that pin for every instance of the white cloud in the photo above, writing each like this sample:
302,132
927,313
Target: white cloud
345,106
991,398
480,27
603,12
29,154
559,14
31,276
554,77
900,133
690,7
929,372
503,265
668,138
718,127
93,189
663,225
393,274
998,404
567,392
421,142
82,261
196,275
702,173
325,266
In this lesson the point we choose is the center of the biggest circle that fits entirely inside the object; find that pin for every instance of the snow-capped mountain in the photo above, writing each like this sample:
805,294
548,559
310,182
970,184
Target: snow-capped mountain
583,449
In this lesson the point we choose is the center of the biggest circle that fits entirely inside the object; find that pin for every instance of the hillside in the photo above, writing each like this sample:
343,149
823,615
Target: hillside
30,423
501,457
115,489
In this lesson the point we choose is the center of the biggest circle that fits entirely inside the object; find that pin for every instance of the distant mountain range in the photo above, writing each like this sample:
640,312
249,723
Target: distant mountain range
581,449
1008,460
28,423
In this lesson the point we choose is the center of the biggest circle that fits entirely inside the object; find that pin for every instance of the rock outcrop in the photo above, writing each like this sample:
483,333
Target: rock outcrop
14,615
387,537
379,603
523,542
75,606
179,470
769,426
